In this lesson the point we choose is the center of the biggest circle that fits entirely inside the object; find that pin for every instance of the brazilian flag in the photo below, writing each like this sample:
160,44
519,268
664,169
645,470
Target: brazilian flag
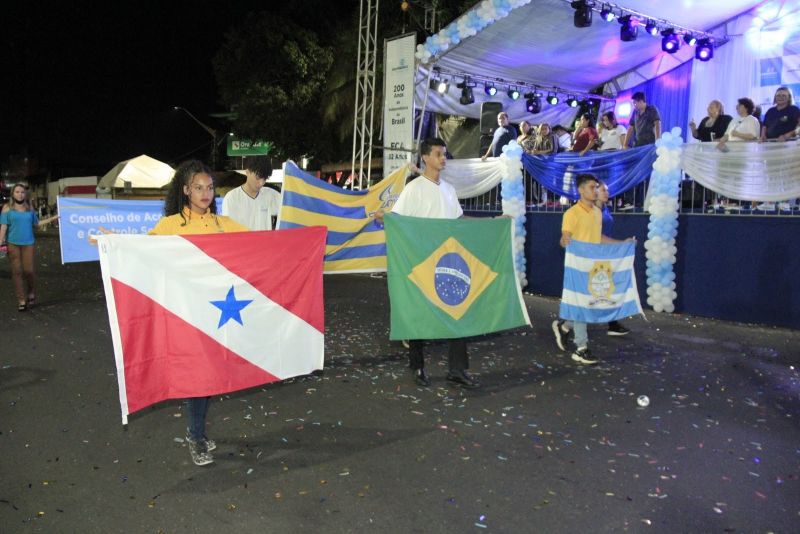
451,278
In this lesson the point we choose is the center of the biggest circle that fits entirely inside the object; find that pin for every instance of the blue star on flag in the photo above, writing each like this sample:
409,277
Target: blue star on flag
230,308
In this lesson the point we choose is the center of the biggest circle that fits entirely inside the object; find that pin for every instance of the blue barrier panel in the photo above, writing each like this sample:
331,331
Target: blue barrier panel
735,268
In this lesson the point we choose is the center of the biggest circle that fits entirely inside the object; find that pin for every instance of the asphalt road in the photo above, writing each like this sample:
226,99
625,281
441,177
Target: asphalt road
545,446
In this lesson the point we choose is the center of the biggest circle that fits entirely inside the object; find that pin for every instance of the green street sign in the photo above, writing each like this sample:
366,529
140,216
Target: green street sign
246,147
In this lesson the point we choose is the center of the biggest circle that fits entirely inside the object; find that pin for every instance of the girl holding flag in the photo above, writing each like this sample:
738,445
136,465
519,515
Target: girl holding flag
190,208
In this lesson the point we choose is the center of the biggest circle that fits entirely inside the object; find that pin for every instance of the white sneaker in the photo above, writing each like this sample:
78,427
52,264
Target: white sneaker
784,206
766,206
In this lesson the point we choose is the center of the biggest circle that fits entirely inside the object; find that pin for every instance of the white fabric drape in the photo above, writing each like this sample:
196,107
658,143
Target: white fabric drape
472,177
765,172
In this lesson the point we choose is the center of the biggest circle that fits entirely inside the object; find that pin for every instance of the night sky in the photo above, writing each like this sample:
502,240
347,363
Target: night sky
89,84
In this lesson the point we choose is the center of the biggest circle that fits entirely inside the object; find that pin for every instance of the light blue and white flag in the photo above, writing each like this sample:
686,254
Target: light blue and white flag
599,283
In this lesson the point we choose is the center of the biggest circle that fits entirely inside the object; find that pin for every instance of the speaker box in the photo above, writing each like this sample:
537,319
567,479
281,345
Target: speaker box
489,111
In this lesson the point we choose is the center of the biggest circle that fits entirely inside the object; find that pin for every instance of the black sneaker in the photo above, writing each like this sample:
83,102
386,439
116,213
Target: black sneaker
584,356
421,378
616,329
561,332
199,452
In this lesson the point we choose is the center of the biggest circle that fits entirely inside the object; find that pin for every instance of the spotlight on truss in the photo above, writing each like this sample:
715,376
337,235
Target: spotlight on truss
704,50
583,13
629,29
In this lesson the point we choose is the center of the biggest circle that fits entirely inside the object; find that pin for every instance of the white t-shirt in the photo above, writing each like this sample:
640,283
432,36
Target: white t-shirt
423,198
254,213
612,139
743,125
565,141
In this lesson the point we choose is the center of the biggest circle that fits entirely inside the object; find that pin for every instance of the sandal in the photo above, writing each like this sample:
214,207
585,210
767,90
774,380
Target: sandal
22,307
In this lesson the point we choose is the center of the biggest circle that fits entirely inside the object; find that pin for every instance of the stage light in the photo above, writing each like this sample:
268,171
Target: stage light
533,102
583,13
606,14
651,28
467,97
552,99
489,89
624,109
513,93
571,101
689,39
670,42
629,29
442,87
704,50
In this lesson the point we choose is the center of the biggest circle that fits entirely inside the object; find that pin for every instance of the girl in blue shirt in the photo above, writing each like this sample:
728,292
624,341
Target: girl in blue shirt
17,220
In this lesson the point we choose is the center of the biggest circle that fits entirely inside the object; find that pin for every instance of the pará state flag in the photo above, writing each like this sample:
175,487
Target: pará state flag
599,282
451,278
201,315
356,242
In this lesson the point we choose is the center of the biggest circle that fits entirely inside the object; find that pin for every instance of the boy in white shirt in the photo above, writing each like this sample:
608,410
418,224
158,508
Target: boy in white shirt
428,196
252,204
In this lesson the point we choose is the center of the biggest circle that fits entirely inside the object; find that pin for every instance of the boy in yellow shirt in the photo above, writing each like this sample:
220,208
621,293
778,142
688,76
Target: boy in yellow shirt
582,222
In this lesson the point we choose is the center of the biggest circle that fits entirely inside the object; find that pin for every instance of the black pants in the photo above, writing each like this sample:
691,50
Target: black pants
456,355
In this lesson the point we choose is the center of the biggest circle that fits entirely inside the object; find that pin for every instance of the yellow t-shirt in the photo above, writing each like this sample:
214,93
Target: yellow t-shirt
192,223
585,224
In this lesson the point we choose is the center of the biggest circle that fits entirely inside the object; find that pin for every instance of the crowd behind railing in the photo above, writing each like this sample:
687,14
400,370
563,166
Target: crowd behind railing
781,123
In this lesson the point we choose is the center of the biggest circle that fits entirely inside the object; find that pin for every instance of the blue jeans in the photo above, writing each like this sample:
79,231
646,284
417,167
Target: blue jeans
581,334
196,410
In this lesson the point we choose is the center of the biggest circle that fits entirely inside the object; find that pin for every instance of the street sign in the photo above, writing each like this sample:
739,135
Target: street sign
246,147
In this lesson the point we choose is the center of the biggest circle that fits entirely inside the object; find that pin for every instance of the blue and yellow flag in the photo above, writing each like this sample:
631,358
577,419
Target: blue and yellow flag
356,242
451,278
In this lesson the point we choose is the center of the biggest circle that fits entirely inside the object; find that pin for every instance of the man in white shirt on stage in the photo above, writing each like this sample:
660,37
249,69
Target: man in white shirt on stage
252,204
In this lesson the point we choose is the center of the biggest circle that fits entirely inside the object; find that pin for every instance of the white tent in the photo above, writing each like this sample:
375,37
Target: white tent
142,172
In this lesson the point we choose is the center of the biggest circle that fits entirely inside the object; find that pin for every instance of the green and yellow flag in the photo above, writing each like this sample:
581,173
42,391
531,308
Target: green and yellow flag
451,278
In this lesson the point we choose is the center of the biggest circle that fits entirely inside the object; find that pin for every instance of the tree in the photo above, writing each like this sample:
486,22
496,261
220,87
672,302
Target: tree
286,87
271,73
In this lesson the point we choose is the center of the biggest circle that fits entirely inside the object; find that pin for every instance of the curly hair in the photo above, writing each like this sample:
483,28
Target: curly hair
176,199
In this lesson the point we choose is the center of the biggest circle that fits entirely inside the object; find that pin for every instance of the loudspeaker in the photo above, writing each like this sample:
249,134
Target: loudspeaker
489,111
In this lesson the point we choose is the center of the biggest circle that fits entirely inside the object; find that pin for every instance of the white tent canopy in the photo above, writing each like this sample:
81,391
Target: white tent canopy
143,172
538,45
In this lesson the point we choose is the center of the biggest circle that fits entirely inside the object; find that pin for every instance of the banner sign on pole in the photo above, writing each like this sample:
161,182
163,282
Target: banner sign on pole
398,102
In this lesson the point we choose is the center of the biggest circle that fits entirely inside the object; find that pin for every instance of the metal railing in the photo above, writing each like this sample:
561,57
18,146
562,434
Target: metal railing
694,199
